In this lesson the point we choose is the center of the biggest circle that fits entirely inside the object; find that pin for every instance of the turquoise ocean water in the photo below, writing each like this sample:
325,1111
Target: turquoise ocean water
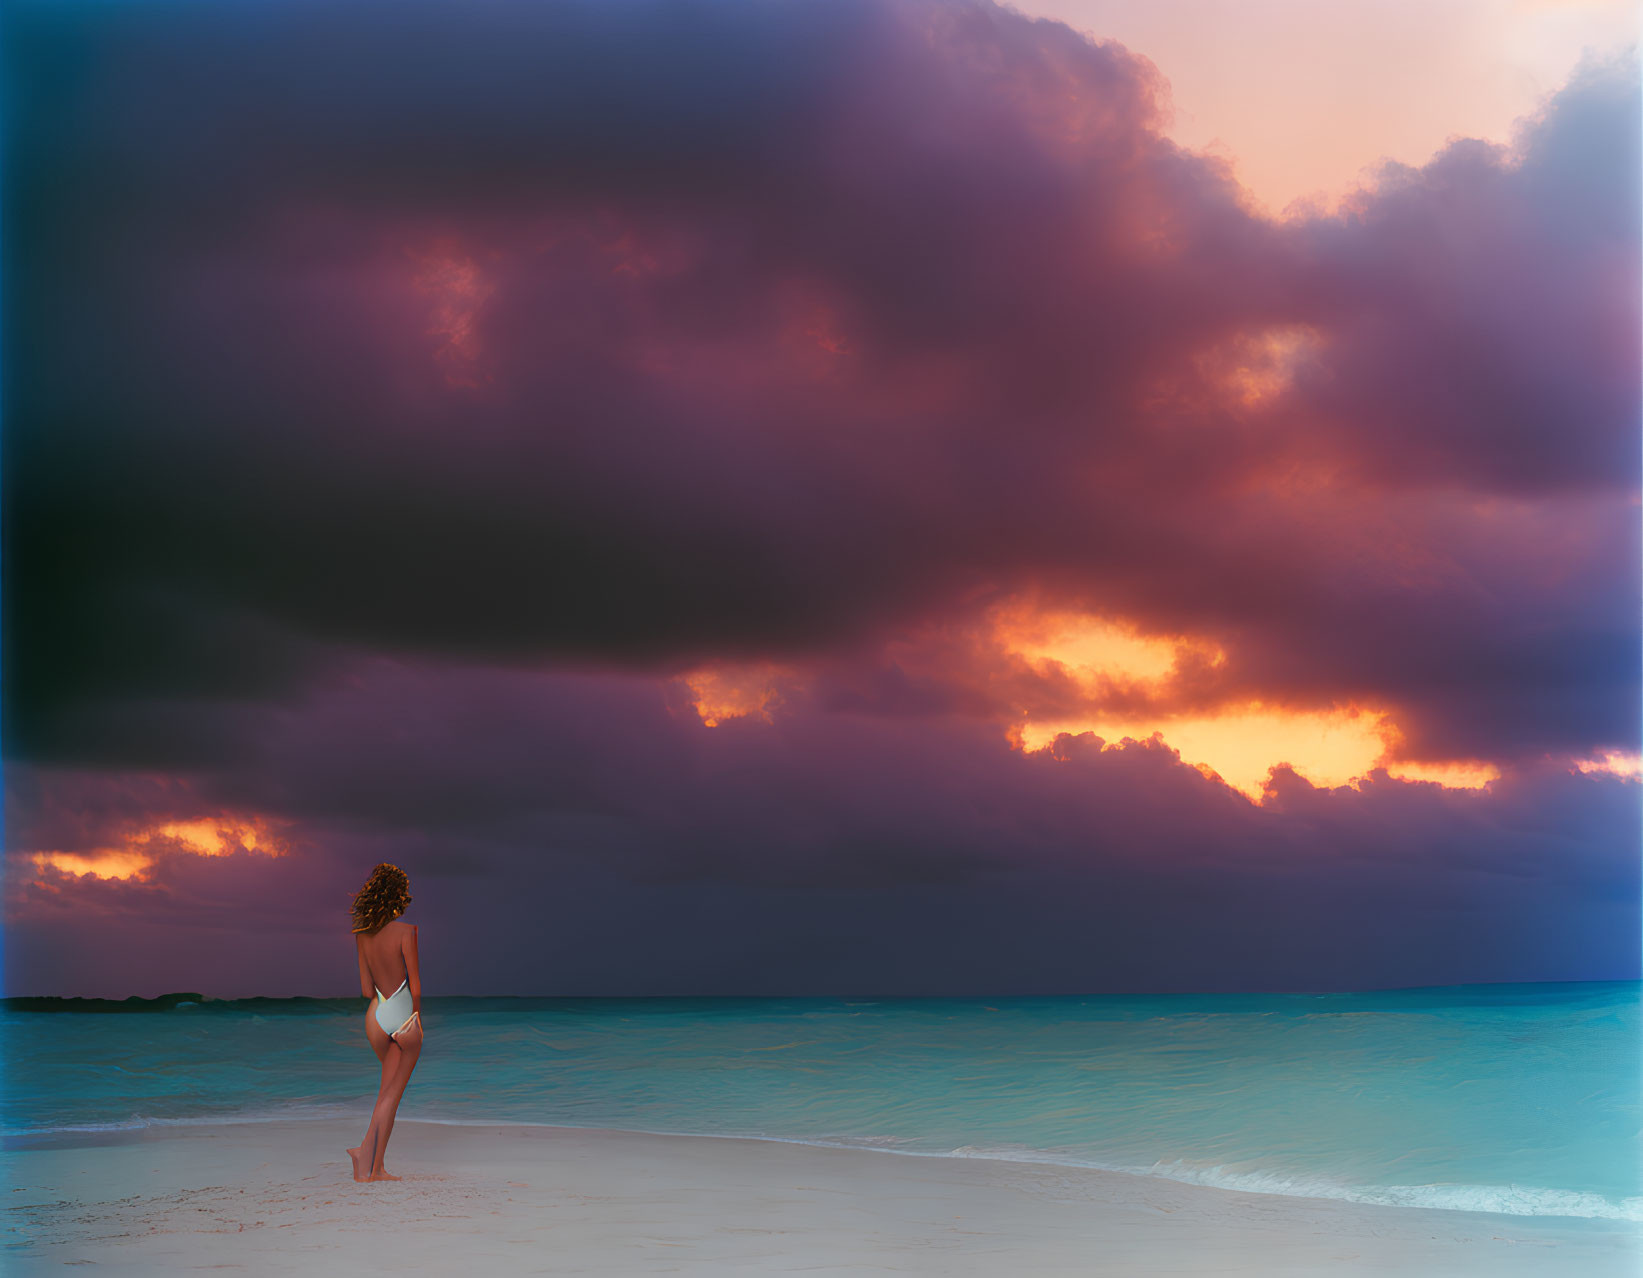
1517,1099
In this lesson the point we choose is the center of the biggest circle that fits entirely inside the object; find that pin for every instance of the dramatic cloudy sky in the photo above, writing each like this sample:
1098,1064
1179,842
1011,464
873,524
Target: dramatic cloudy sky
822,496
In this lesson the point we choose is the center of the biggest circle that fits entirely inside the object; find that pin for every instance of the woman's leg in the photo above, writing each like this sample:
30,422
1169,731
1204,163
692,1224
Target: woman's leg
364,1153
396,1072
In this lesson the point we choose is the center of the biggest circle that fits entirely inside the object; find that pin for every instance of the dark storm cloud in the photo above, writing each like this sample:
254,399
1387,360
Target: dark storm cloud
645,333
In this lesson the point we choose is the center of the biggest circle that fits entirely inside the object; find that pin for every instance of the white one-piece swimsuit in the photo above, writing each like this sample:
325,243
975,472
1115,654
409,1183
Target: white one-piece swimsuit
394,1013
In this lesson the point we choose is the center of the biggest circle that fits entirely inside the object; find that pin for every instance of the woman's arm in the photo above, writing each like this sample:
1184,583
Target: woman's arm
365,986
412,972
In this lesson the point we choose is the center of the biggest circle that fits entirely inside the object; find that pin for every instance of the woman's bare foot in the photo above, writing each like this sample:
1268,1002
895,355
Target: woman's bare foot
384,1175
359,1167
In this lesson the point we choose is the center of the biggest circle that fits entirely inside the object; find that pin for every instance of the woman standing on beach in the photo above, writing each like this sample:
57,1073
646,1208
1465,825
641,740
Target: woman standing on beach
393,1023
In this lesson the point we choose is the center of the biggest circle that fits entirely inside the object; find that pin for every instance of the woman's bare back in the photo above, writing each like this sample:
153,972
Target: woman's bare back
389,957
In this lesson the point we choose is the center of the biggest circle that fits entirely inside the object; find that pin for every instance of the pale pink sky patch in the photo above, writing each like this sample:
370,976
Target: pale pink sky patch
1301,97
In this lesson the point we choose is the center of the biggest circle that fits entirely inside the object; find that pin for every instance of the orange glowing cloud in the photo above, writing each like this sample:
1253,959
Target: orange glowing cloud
1092,648
1459,774
1240,742
1241,745
101,863
1615,763
734,691
137,853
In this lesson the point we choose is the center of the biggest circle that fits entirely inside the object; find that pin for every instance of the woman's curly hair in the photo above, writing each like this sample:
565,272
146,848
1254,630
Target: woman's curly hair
383,898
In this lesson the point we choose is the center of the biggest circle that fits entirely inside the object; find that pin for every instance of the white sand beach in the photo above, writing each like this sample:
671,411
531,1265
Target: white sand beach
277,1198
